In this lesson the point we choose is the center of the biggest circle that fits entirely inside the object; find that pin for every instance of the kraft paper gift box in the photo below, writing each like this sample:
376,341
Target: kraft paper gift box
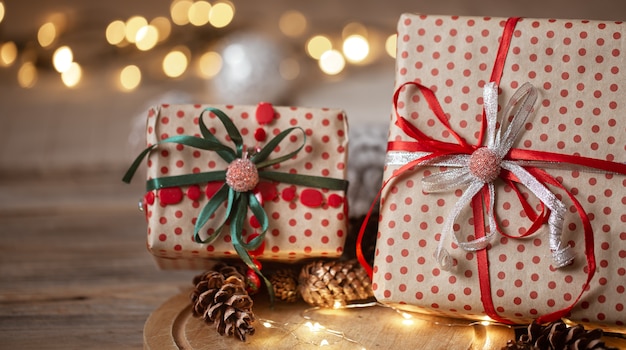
298,193
447,246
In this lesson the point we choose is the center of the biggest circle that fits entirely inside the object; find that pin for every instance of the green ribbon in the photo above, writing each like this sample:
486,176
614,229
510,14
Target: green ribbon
237,202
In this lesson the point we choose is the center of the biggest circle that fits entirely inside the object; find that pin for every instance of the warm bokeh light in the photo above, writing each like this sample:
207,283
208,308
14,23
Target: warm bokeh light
72,76
133,25
390,45
356,48
46,34
209,64
115,32
332,62
198,13
317,45
130,77
8,53
292,23
163,26
289,69
221,14
27,75
354,28
62,59
147,37
1,11
179,11
175,63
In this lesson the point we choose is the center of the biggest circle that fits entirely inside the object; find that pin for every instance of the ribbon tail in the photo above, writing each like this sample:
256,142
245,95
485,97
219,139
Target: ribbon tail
561,253
257,210
441,254
209,209
236,229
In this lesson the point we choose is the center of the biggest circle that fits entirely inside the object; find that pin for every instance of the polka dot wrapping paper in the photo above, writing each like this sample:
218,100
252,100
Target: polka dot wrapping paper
578,70
304,222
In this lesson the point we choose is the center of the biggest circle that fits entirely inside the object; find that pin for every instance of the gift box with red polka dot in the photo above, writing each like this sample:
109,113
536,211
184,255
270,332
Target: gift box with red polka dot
304,222
577,68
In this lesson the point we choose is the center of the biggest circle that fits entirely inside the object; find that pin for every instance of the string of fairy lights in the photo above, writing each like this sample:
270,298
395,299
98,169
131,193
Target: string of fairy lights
356,45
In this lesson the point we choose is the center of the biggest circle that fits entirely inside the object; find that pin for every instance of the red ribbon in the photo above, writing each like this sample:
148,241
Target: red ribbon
437,148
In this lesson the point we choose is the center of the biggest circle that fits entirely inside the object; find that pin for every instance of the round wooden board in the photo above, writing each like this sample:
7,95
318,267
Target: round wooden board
293,326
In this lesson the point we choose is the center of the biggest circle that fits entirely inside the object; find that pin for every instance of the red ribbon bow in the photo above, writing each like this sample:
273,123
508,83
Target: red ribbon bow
530,158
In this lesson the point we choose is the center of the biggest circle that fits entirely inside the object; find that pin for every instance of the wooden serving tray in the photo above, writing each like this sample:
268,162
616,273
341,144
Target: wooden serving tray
298,326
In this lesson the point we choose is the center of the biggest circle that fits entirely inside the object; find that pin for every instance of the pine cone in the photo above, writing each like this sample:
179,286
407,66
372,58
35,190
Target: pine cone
220,298
557,336
285,285
325,283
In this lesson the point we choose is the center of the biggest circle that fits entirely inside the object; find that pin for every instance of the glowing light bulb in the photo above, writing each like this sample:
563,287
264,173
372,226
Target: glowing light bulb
129,78
46,34
133,25
27,75
209,64
62,59
221,14
292,23
390,45
179,11
115,32
317,45
332,62
1,11
72,76
146,38
8,53
356,48
175,64
198,13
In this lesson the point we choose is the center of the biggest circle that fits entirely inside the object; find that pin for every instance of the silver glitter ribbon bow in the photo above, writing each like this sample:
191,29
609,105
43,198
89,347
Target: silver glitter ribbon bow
481,168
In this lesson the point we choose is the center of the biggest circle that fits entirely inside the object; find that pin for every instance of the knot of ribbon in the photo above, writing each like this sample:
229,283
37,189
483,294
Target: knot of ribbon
482,167
240,178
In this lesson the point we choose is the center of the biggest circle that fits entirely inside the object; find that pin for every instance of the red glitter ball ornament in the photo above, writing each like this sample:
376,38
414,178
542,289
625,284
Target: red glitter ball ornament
484,164
242,175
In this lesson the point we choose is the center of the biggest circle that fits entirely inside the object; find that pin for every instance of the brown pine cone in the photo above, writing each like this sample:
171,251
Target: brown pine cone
285,285
326,283
220,298
557,336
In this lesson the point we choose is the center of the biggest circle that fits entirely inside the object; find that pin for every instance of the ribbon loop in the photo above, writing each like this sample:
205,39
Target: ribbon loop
237,201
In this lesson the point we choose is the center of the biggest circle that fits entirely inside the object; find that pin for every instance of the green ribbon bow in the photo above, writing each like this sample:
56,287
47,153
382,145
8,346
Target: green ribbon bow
237,202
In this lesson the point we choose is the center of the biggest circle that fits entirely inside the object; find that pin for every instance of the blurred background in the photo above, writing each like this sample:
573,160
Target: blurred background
76,77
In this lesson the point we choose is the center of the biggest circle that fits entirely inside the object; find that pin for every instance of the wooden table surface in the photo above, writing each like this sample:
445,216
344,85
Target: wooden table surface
75,274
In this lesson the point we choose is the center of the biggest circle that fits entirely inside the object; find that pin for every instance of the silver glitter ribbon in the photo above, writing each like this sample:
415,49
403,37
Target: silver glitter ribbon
521,105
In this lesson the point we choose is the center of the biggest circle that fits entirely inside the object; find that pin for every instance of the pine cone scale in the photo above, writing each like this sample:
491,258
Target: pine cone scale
220,298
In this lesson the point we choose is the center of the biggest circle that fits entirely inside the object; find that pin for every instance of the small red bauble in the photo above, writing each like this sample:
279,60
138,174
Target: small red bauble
253,282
